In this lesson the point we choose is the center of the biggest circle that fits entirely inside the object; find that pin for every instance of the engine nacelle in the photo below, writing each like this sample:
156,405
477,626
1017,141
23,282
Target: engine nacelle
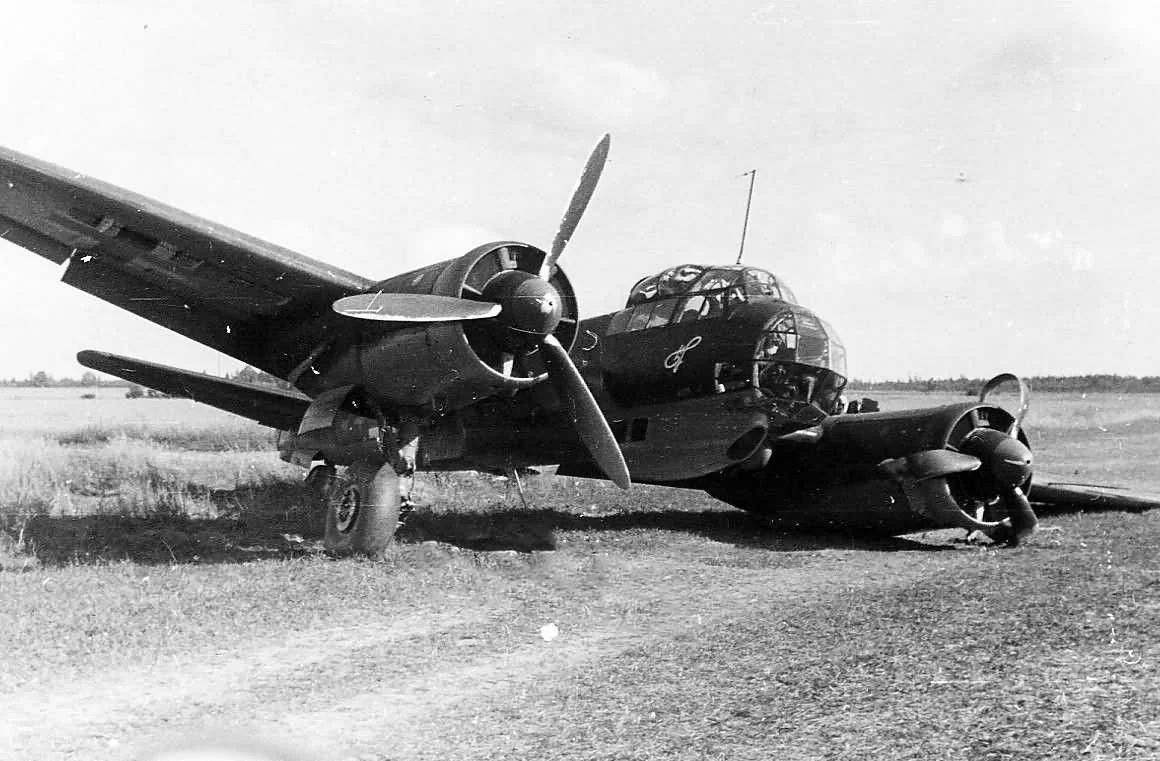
885,473
451,365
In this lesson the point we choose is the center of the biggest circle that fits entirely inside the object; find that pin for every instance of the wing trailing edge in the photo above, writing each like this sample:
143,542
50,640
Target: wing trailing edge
268,406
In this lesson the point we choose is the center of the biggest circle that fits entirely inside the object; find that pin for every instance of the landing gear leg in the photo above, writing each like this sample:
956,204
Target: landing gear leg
401,453
514,475
407,453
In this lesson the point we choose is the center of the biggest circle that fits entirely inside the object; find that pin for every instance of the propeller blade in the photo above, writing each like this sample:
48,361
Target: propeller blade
413,307
1024,398
1023,520
580,197
586,416
939,463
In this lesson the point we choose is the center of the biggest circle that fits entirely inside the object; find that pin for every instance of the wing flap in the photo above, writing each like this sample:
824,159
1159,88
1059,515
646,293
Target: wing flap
50,248
268,406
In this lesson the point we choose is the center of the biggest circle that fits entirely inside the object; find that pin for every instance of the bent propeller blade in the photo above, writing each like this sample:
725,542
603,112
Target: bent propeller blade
580,198
586,416
413,307
1024,398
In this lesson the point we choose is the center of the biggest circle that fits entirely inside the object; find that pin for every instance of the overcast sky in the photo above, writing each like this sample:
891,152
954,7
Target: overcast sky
960,188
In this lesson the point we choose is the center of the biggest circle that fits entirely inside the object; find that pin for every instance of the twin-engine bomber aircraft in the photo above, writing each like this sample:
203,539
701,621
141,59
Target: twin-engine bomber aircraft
711,377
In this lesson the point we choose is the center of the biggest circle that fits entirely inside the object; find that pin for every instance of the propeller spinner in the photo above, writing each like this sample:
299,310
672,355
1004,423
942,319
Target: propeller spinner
525,309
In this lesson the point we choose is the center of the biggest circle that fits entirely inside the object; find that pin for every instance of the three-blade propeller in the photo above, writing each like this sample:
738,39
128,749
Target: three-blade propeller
514,296
1010,460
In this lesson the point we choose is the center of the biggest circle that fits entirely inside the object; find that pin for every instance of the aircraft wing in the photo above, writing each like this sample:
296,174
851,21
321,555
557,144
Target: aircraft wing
1060,495
268,406
227,290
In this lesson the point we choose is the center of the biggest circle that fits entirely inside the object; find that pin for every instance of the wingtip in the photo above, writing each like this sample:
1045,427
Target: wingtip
86,357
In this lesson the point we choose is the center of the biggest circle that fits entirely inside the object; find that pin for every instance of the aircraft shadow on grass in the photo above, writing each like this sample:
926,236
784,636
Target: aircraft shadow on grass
535,529
294,528
240,533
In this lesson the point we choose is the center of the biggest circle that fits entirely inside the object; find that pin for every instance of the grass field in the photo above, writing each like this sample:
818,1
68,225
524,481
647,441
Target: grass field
162,579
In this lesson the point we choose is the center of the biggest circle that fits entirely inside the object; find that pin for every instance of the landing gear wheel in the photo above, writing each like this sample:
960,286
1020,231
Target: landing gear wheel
363,511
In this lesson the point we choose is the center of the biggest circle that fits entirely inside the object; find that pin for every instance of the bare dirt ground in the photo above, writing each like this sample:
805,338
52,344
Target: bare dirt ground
406,686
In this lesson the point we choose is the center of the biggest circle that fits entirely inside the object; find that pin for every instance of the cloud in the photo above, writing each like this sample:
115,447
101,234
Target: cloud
432,244
953,226
1048,53
588,86
1082,260
1047,239
1020,62
996,246
564,88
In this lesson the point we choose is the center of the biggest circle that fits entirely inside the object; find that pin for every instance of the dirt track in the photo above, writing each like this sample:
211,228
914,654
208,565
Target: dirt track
408,686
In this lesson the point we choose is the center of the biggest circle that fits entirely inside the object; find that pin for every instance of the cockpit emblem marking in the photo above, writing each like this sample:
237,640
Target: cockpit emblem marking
673,361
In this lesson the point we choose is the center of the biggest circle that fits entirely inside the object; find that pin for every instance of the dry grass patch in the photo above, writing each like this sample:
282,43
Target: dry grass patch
687,631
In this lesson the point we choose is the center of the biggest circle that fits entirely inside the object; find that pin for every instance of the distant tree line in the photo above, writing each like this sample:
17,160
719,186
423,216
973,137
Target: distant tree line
42,379
256,377
1117,384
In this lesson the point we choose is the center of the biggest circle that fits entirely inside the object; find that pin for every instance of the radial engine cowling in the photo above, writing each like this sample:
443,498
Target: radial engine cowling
963,466
450,365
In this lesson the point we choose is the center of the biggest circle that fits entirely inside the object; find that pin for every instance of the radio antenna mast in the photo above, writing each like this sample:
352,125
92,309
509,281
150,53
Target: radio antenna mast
748,203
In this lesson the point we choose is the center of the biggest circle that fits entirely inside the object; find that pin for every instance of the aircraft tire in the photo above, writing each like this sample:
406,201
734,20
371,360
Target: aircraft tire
362,511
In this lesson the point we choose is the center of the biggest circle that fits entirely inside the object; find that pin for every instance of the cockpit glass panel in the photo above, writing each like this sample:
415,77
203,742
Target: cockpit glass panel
662,313
735,295
813,348
761,283
676,280
714,305
619,322
780,340
645,290
647,314
691,309
798,335
743,283
837,349
785,323
716,279
640,315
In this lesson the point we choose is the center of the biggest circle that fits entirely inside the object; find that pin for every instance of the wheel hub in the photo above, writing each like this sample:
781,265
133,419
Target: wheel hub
348,508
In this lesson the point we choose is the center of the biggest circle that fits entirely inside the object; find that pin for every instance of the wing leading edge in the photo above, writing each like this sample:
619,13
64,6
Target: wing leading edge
235,293
268,406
